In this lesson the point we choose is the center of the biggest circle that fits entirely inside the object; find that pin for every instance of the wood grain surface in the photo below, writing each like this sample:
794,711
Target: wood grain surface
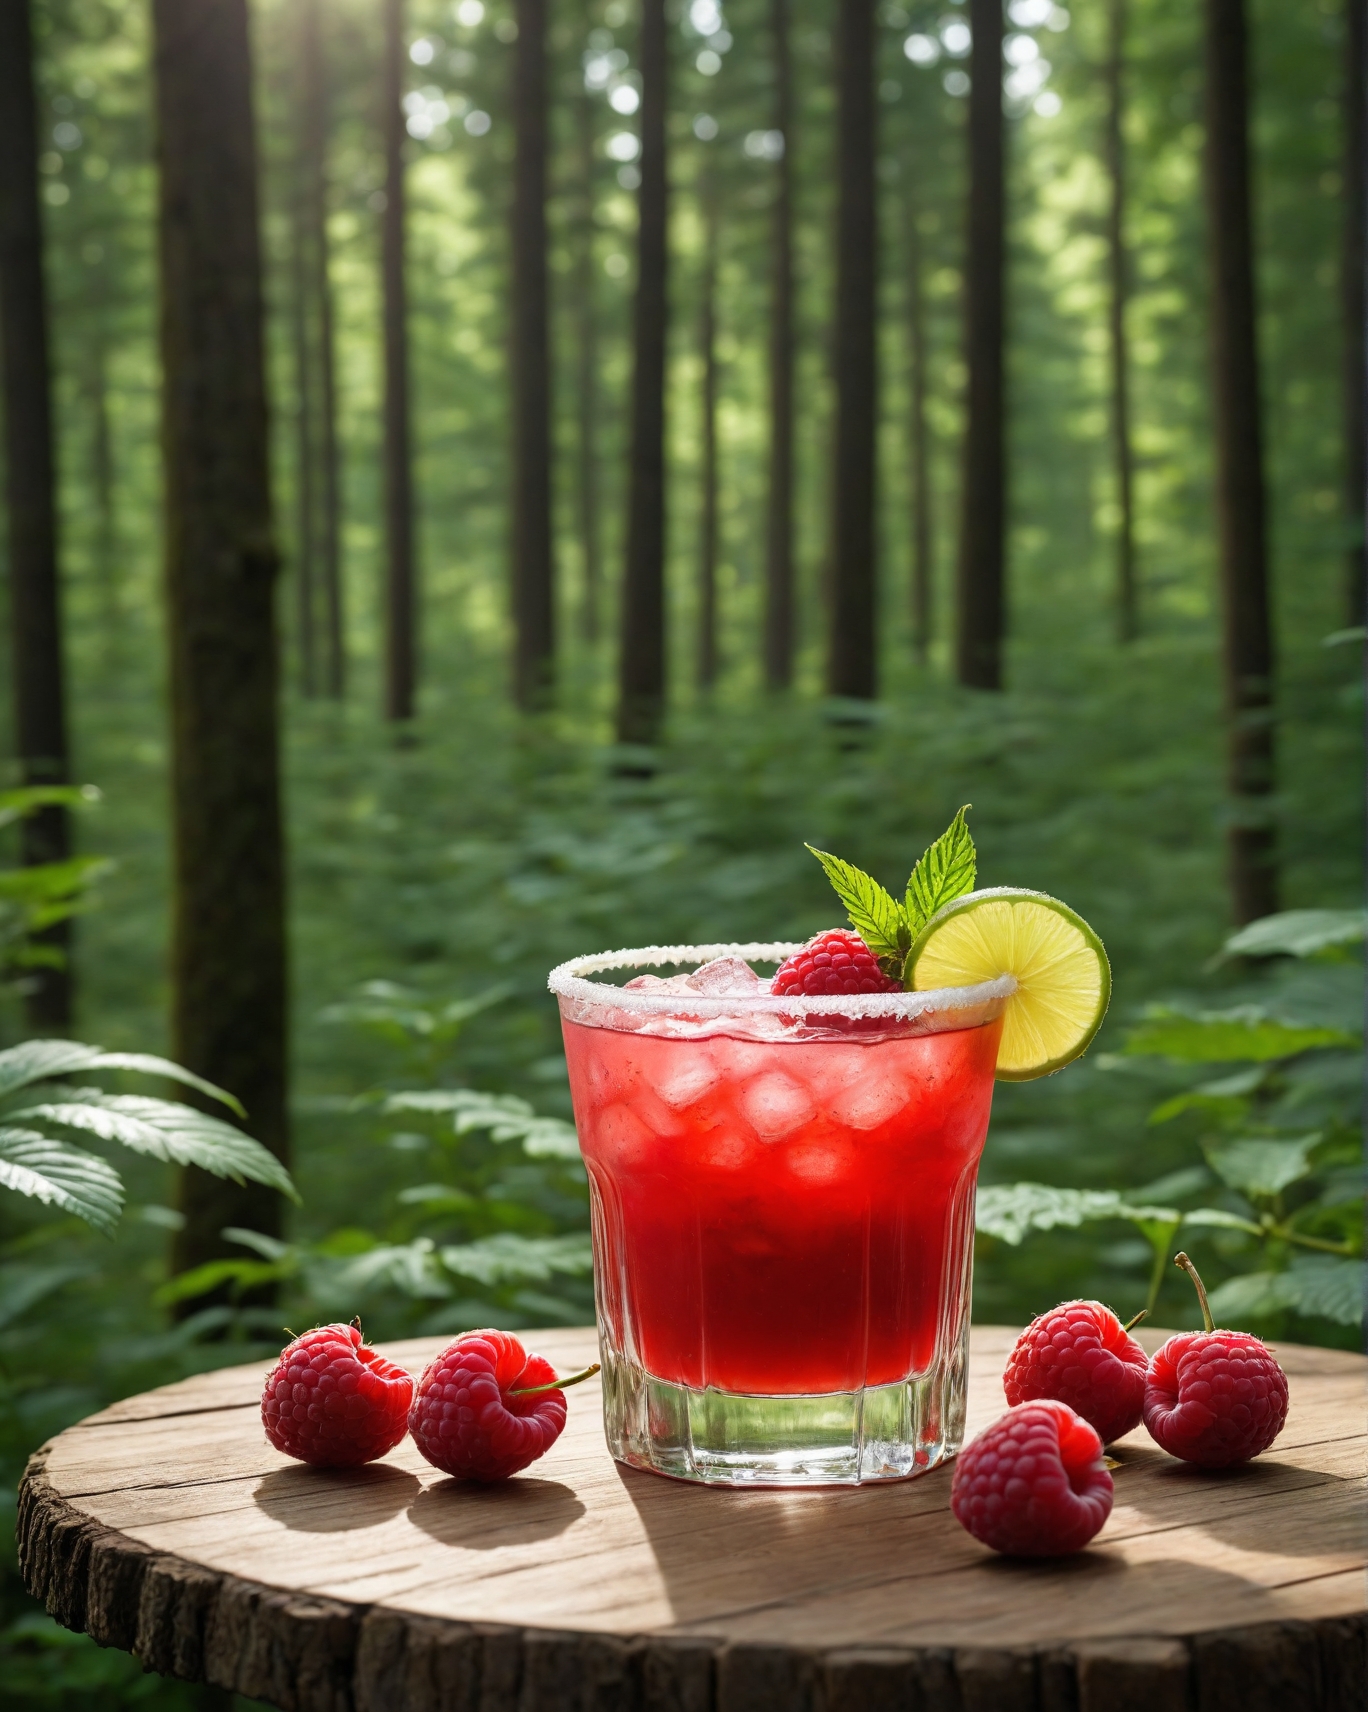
168,1526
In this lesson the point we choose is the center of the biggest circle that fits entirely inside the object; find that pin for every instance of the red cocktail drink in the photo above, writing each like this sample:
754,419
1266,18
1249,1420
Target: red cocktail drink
782,1195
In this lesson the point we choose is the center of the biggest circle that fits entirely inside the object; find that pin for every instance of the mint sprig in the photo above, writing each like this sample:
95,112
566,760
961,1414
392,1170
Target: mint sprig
876,916
946,871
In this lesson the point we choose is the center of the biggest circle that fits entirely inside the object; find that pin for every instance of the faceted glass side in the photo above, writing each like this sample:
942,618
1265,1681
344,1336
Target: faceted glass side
844,1438
783,1247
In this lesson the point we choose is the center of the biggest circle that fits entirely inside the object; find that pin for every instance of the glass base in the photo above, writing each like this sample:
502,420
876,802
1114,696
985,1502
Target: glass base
841,1438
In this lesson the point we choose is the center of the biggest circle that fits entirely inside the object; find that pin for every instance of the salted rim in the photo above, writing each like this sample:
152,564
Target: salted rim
570,981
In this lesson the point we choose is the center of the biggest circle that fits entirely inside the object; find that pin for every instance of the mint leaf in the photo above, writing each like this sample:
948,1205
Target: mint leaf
945,872
876,916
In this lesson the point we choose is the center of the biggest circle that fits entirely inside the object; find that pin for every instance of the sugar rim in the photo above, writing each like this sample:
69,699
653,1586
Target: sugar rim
570,981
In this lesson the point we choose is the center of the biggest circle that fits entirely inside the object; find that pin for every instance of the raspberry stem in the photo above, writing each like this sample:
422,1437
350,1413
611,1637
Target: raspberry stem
1180,1259
556,1384
1135,1319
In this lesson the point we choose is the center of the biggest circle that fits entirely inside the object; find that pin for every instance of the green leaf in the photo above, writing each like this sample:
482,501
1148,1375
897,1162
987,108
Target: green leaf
510,1259
167,1130
426,1100
1217,1218
400,1014
148,1064
53,888
41,1060
1259,1167
1010,1211
411,1268
1298,933
60,1176
1326,1285
1225,1097
45,1060
1246,1034
200,1280
1317,1285
945,872
1252,1296
1176,1185
268,1247
25,800
874,914
505,1116
436,1197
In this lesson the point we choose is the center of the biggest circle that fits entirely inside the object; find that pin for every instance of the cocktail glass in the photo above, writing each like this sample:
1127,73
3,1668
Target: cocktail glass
782,1198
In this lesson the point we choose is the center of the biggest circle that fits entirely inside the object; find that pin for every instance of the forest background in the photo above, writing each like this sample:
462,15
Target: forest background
439,863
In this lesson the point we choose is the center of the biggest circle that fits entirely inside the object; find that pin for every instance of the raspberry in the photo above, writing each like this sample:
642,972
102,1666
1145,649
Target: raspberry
1079,1354
468,1418
334,1403
1034,1484
833,963
1214,1397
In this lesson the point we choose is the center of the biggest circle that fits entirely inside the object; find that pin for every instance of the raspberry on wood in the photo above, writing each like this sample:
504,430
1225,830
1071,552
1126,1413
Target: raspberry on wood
832,964
334,1403
1080,1354
1214,1397
485,1408
1034,1484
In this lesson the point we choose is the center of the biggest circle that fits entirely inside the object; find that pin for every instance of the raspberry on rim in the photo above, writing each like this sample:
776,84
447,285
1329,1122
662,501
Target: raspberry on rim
832,963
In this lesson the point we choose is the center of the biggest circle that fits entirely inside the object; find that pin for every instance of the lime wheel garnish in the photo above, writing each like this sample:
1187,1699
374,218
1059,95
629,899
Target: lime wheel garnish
1063,978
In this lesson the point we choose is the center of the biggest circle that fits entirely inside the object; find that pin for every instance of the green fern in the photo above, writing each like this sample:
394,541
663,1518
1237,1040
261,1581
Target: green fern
40,1110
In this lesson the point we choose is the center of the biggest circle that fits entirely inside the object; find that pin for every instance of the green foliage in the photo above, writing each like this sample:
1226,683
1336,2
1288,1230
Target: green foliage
1011,1211
352,1268
944,872
1293,1200
399,1016
1298,933
1316,1286
39,897
35,1103
1246,1034
49,1171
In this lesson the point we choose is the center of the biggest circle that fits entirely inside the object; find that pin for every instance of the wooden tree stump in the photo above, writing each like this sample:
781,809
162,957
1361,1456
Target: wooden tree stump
167,1525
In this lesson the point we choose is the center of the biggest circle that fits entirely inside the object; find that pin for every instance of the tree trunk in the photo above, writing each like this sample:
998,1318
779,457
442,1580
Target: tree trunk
1246,627
587,377
984,515
1127,607
707,547
533,571
316,249
852,665
401,668
101,447
1355,309
641,681
102,461
228,930
779,528
30,494
919,440
304,447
